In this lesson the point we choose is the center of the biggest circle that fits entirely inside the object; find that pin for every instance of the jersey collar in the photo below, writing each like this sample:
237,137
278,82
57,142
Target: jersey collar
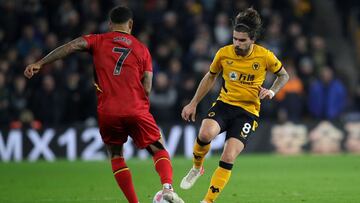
119,31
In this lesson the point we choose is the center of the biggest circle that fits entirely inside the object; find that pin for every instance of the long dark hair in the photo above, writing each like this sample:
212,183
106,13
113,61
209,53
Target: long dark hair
248,21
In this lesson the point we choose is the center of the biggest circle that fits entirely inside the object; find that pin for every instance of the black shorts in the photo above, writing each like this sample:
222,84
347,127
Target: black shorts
237,122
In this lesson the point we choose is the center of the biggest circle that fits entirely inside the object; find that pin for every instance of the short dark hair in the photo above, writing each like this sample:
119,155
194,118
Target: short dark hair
248,21
120,14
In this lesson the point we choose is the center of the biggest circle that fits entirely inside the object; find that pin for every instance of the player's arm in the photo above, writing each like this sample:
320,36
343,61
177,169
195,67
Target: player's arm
281,79
147,81
78,44
204,87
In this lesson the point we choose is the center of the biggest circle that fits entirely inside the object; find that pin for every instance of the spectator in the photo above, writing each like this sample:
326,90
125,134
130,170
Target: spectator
4,101
273,40
9,15
186,90
12,57
48,98
163,98
174,72
327,96
306,71
4,67
301,49
162,56
295,30
291,95
28,41
18,97
199,52
222,29
51,42
74,97
92,10
319,53
169,27
42,28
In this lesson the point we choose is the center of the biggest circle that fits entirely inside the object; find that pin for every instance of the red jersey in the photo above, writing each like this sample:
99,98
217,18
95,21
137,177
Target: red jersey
120,61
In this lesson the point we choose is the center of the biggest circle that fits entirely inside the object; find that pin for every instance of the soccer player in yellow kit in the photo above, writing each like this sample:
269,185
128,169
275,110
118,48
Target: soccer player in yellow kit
243,66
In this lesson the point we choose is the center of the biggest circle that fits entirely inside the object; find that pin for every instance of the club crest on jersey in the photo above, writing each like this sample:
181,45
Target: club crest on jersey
256,66
233,75
229,62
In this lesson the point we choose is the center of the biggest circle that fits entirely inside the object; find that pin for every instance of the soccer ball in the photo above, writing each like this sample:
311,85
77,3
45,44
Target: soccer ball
158,198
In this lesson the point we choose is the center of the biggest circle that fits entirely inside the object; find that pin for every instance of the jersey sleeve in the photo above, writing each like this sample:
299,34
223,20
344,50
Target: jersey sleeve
273,63
147,60
91,41
215,66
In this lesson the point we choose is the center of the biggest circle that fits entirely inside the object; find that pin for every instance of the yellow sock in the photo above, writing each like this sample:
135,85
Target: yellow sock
218,181
200,150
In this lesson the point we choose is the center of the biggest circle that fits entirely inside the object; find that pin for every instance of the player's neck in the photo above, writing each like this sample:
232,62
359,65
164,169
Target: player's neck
250,50
121,29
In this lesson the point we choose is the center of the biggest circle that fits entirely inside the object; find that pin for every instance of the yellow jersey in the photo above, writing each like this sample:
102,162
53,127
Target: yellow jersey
243,76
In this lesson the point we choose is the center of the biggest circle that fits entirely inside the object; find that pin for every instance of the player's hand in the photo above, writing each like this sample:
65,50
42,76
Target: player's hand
189,111
266,94
32,69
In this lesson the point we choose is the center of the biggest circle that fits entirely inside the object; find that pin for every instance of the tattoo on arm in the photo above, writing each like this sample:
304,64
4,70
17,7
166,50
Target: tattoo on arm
147,81
281,80
78,44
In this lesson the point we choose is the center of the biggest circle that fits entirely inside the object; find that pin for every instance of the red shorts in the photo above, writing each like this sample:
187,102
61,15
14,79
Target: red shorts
116,129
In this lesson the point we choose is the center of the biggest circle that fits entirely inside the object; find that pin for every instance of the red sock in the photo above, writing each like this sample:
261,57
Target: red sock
123,178
163,166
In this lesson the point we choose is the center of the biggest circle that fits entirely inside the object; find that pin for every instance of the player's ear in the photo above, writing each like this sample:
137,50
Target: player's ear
130,24
110,25
252,39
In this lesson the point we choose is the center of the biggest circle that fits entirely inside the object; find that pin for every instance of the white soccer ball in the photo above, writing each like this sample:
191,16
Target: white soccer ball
158,198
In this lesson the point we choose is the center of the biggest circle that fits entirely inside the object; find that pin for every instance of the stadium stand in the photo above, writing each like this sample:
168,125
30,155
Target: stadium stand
182,35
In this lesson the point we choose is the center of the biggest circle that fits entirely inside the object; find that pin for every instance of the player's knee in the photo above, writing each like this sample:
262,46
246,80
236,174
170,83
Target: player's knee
229,157
155,150
206,135
115,151
155,147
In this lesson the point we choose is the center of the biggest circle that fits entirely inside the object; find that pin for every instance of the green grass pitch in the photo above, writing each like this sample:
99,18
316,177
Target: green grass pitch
255,179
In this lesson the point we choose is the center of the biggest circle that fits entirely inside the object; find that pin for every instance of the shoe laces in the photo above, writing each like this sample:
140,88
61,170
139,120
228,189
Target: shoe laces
193,173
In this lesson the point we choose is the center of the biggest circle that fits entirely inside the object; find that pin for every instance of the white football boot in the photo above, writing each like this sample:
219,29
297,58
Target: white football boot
169,194
189,180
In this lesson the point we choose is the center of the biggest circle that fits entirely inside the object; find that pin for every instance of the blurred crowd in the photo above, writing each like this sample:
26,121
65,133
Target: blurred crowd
182,36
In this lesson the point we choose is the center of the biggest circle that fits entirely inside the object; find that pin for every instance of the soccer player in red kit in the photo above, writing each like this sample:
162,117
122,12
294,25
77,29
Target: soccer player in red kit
123,81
